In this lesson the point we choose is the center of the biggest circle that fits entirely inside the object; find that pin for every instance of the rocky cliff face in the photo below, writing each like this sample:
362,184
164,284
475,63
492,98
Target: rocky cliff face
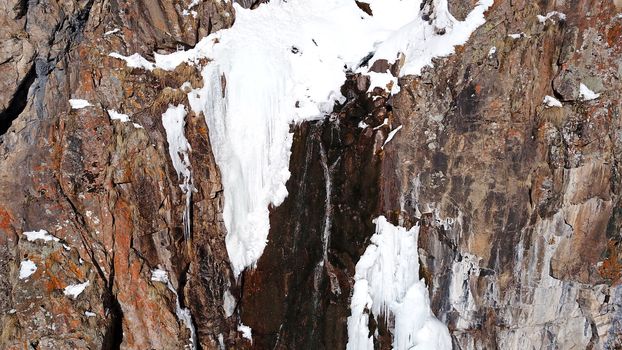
518,200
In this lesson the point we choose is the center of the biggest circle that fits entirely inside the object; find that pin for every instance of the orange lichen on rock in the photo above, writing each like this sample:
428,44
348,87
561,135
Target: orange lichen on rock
611,267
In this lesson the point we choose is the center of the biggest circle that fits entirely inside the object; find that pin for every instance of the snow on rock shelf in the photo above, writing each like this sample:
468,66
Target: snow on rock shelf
79,104
43,235
586,94
26,269
246,331
134,61
284,62
387,284
73,290
550,102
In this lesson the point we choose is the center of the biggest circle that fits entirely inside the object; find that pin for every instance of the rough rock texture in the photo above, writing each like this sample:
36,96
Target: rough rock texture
519,204
105,188
522,201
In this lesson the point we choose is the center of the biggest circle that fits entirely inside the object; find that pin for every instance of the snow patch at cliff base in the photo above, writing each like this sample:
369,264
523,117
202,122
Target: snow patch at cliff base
387,284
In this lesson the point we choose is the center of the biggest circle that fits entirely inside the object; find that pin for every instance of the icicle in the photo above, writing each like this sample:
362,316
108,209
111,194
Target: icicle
174,122
387,283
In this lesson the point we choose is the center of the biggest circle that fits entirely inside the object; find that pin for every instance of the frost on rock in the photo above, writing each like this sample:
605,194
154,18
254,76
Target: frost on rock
387,284
550,102
73,290
586,94
43,235
174,123
78,103
26,269
283,63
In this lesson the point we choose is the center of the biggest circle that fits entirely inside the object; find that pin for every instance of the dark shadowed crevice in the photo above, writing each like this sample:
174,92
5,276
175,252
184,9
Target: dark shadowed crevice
114,330
18,102
22,8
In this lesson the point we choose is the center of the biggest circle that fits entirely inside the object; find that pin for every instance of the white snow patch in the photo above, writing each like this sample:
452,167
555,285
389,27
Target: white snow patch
586,94
26,269
134,61
89,314
283,63
78,103
384,80
517,35
492,51
110,32
174,122
550,15
159,275
43,235
550,101
387,283
124,118
391,135
114,115
73,290
246,331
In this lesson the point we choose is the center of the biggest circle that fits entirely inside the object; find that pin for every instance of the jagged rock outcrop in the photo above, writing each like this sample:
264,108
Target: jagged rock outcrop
519,202
105,188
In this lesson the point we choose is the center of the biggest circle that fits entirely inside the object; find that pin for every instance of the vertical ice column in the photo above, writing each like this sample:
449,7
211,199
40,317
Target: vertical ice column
174,122
387,284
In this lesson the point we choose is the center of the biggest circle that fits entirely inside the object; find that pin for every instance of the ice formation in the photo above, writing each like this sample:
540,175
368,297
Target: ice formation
182,313
284,62
159,275
387,285
174,122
